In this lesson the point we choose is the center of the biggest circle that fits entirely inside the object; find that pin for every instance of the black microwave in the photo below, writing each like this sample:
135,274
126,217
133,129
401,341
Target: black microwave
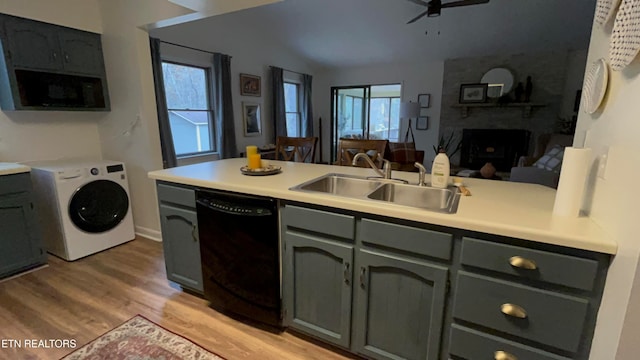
43,90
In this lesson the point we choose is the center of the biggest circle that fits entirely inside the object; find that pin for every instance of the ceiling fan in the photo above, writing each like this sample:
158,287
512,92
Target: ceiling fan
435,6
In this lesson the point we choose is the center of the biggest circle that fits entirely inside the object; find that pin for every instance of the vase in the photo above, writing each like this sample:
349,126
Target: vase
488,171
518,92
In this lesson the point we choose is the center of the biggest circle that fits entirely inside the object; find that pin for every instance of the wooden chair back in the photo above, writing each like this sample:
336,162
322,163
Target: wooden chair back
348,148
298,149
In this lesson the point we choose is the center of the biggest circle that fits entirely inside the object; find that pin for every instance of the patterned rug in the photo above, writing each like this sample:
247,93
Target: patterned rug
139,338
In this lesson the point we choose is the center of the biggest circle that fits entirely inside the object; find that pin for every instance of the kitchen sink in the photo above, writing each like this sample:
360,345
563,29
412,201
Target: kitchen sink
428,198
340,184
434,199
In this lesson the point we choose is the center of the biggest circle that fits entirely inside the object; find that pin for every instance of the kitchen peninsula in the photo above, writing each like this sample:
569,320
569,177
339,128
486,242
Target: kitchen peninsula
501,276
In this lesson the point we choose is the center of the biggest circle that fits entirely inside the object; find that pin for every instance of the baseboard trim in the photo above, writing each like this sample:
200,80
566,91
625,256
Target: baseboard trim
151,234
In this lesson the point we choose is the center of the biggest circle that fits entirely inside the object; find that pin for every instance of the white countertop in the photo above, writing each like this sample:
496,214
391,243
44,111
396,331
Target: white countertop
13,168
497,207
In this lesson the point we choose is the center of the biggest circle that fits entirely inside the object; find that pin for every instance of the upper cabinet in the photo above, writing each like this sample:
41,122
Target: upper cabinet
50,67
32,45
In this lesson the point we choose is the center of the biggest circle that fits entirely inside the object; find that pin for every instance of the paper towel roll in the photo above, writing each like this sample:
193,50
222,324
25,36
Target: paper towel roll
573,178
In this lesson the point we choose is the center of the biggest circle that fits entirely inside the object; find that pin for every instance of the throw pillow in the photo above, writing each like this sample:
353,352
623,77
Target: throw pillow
551,160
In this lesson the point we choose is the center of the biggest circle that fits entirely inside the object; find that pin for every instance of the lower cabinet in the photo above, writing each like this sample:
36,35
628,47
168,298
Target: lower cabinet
381,289
21,245
399,308
318,274
179,224
388,306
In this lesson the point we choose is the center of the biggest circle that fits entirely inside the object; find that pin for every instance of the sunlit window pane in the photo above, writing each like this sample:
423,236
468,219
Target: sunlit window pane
185,87
291,91
190,131
292,124
291,97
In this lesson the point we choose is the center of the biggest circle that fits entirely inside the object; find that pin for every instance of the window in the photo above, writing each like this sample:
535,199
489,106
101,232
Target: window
353,117
190,115
384,118
292,109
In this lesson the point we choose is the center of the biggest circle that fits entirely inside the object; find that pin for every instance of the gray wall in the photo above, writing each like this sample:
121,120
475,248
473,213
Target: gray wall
549,75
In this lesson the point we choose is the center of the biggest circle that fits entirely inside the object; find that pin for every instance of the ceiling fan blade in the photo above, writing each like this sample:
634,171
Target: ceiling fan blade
423,14
419,2
463,3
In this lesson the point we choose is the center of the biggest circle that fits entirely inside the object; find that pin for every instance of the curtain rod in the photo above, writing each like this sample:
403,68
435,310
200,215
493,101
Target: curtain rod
188,47
296,72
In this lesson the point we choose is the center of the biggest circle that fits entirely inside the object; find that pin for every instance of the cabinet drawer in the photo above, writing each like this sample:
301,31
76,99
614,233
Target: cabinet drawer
319,221
471,344
420,241
549,267
551,318
15,183
176,195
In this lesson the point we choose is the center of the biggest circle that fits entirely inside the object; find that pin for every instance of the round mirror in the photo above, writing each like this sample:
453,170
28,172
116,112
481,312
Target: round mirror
500,82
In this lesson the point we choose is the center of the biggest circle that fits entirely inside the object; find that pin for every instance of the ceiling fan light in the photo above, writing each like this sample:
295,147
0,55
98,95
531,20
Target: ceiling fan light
433,9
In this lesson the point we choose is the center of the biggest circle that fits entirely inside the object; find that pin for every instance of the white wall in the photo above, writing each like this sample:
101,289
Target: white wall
613,206
250,54
41,135
416,78
129,133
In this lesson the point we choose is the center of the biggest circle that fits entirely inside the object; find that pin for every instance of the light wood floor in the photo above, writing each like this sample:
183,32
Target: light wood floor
81,300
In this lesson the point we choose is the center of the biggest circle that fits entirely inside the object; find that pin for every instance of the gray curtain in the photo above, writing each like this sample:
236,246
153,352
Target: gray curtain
223,106
279,112
307,109
166,140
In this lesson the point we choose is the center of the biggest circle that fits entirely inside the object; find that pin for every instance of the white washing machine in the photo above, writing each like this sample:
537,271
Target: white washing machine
83,206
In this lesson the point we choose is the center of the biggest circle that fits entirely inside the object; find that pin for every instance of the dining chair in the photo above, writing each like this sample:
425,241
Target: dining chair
298,149
348,148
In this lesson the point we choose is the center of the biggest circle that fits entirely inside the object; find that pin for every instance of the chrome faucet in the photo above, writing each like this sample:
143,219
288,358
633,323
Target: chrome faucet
386,168
422,174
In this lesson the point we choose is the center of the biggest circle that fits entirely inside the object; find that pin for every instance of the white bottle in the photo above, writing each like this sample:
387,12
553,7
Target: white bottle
440,170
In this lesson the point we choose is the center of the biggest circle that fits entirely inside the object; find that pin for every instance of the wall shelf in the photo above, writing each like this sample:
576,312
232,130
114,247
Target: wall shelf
526,107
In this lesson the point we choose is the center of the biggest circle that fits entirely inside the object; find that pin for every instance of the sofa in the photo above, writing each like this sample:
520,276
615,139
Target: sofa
543,167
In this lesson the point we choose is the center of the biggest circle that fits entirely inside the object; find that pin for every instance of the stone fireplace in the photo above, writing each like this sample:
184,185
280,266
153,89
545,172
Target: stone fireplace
501,147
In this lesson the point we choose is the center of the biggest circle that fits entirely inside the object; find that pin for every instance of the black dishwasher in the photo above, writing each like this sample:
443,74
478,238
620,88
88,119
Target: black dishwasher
240,254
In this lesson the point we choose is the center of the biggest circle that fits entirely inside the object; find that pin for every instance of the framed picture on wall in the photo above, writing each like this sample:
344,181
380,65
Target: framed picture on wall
424,112
250,85
424,100
252,119
473,93
422,123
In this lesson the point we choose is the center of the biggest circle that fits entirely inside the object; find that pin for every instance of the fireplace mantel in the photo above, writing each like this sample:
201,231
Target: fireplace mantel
526,107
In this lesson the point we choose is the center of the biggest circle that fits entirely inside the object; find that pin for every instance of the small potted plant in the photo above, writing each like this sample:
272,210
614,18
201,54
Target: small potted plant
447,143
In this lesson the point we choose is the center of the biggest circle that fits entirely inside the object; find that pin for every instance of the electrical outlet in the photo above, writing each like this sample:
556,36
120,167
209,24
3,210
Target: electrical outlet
602,163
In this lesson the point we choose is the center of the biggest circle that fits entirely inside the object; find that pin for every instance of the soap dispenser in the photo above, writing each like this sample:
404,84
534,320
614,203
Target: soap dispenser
440,170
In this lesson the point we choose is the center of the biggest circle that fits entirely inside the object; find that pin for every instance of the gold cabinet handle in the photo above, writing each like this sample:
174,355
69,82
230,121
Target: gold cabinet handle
513,310
522,263
503,355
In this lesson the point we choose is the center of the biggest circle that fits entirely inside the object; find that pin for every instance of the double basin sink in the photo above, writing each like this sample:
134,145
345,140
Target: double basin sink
375,189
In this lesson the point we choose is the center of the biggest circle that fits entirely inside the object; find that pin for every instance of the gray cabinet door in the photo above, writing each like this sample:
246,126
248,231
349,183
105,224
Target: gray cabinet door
317,286
33,45
20,240
81,52
181,246
399,307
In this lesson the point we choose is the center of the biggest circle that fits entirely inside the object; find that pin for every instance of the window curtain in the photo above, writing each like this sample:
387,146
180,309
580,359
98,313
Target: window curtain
166,139
279,113
223,106
307,109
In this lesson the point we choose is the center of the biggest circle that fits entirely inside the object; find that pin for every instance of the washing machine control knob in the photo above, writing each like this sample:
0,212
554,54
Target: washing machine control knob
94,171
